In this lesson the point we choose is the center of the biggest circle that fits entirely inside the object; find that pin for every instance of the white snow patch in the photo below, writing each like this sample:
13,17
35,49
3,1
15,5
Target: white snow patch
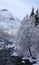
10,46
14,54
23,61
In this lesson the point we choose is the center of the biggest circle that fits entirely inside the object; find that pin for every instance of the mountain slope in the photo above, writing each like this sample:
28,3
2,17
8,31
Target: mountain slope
8,21
9,25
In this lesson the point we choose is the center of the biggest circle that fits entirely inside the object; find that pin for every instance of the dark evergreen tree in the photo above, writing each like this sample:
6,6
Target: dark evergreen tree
32,12
36,18
37,12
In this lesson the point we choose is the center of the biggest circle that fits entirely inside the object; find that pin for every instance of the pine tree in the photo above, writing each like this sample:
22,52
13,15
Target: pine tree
32,12
36,18
37,12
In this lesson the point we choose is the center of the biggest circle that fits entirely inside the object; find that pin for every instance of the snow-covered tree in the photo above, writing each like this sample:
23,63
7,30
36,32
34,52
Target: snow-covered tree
27,39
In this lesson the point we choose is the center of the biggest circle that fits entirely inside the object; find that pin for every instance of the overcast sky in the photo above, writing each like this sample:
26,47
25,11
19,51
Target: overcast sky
19,8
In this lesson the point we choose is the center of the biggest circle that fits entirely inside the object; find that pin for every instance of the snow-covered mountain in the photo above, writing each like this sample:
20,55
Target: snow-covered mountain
9,25
8,22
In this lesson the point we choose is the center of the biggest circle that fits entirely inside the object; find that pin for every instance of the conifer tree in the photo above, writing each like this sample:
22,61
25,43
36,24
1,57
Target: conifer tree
32,12
36,18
